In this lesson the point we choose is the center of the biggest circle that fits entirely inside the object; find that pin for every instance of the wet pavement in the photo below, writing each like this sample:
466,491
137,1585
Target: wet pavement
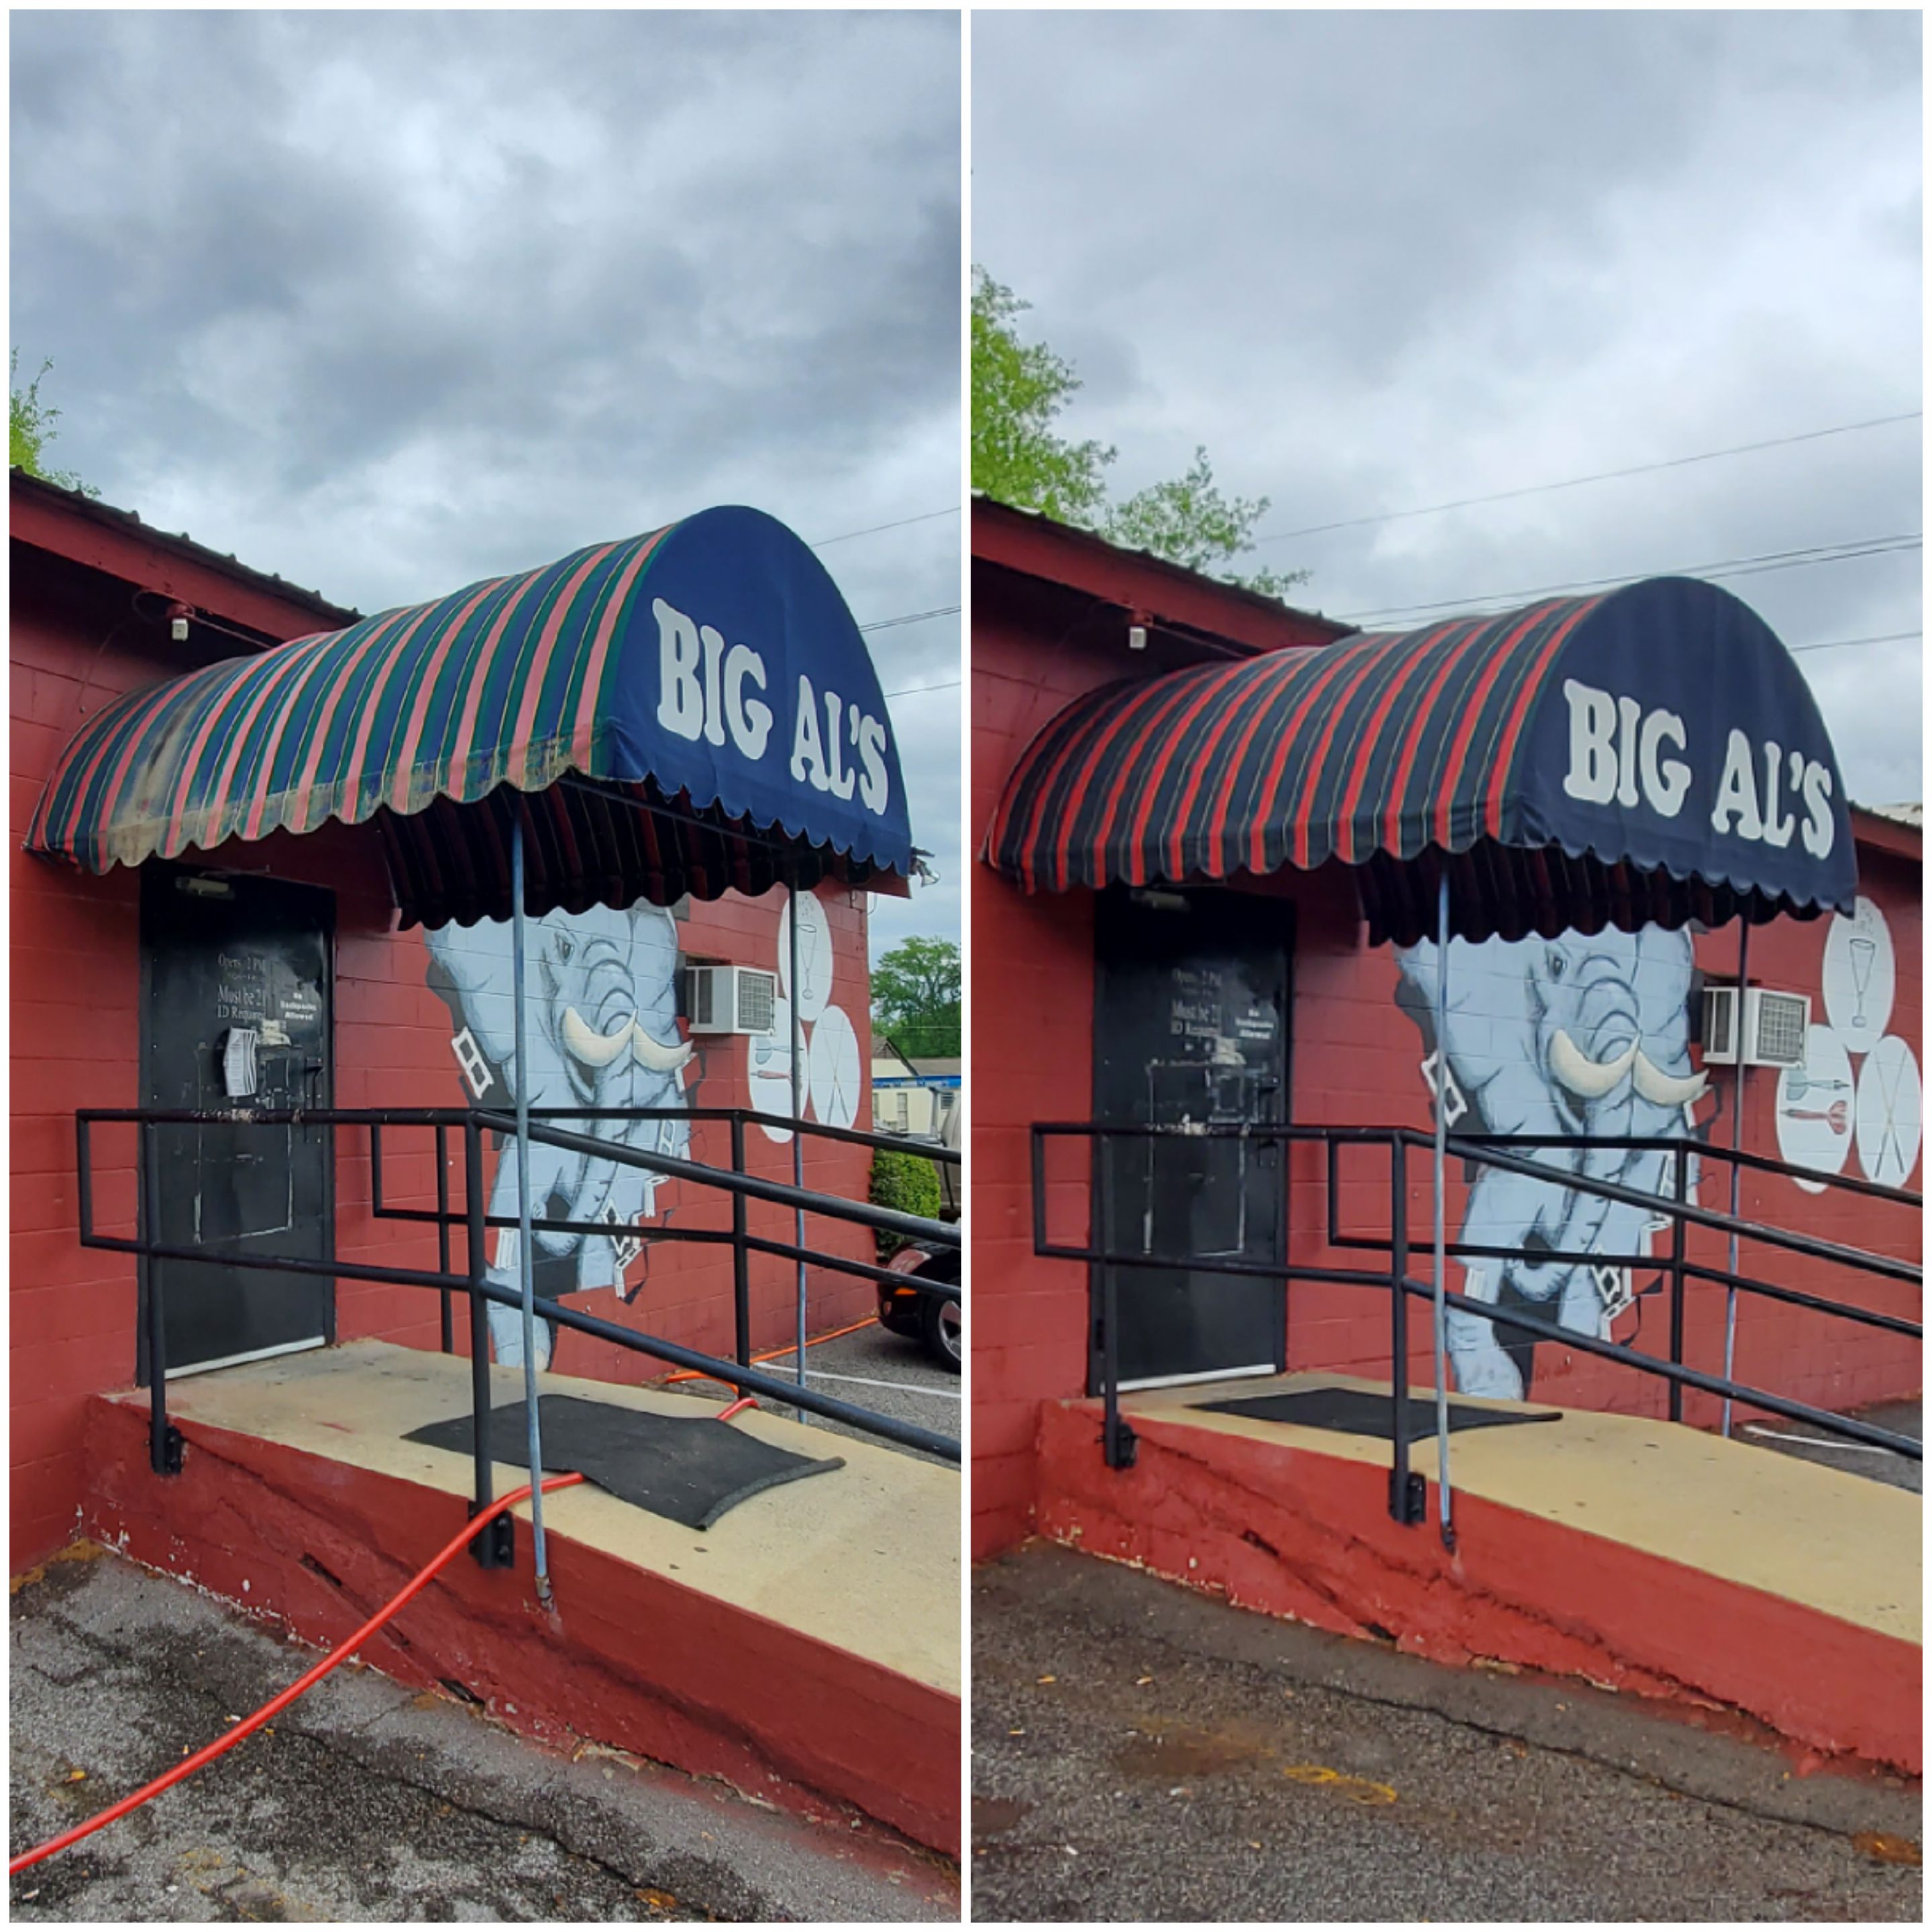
1144,1752
364,1801
1855,1459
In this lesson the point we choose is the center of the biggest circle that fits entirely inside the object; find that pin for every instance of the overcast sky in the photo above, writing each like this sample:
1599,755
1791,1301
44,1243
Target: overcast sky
1376,262
390,303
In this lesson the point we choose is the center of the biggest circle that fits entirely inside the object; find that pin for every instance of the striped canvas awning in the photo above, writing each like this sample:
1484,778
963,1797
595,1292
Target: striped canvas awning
690,711
1649,756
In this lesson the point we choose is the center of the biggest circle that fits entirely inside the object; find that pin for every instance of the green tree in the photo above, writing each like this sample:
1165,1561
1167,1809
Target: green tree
30,428
915,997
1019,390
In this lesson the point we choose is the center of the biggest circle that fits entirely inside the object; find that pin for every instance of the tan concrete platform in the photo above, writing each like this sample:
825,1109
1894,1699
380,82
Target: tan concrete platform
866,1557
1834,1543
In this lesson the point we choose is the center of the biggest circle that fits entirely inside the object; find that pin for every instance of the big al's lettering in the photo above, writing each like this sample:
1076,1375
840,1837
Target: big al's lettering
706,689
1620,751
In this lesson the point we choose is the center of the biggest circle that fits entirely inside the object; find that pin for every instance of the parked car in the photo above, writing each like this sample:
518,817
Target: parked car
930,1308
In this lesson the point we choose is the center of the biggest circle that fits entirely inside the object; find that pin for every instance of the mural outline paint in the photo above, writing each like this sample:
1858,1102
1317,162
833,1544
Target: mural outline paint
601,989
1859,1089
1573,1036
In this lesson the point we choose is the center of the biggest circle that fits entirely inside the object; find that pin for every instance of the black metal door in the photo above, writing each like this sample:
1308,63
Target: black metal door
1190,1025
222,958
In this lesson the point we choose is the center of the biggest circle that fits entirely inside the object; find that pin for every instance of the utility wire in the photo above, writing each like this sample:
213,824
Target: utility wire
912,617
1845,643
951,684
1577,482
873,530
1741,566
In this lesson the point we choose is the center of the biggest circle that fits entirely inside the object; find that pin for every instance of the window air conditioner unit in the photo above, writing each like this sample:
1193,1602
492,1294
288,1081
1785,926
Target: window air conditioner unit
730,999
1771,1030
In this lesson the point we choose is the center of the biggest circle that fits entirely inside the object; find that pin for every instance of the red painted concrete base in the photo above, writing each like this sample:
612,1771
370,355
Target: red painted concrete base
1297,1534
627,1658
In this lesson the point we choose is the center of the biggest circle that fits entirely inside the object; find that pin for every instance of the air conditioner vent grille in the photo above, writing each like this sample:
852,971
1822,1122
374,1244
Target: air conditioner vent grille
1780,1021
757,1002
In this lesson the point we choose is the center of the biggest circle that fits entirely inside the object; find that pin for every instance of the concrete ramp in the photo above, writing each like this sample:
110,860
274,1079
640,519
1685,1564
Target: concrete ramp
1641,1556
805,1648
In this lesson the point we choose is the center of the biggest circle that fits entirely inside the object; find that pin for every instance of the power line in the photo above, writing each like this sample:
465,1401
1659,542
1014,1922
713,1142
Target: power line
912,617
873,530
1845,643
1742,566
1600,476
914,690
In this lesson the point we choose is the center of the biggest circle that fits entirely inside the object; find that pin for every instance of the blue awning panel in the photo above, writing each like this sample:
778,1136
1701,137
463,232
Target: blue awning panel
709,672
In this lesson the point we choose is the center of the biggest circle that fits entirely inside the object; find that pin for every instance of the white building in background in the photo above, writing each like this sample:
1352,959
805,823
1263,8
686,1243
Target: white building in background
918,1098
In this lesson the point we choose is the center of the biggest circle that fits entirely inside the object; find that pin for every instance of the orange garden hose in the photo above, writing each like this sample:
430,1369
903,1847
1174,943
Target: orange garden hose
772,1355
229,1739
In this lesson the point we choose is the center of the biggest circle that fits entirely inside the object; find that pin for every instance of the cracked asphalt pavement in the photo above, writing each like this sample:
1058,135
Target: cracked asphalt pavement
882,1371
1142,1751
365,1800
1855,1459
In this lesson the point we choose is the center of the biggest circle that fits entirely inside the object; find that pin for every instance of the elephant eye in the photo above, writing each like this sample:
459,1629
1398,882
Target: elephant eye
1552,961
564,947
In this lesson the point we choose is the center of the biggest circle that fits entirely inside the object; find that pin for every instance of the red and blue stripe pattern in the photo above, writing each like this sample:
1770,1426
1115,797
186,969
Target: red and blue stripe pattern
1406,755
1383,742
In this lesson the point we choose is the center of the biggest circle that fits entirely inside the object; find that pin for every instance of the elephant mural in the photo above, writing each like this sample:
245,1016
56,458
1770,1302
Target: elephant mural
601,990
1575,1037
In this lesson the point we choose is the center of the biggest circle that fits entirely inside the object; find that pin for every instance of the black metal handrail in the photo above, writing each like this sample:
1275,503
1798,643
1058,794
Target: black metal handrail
492,1548
1677,1264
443,1216
1406,1500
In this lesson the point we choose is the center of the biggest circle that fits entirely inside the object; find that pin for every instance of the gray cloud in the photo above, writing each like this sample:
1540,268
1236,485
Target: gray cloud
1377,261
388,302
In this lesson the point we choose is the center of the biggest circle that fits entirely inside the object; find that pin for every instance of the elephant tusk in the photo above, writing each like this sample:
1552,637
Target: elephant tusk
1667,1089
652,1053
593,1048
1592,1078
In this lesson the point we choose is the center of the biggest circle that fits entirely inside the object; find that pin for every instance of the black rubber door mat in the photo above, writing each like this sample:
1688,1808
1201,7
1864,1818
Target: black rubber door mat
690,1468
1363,1412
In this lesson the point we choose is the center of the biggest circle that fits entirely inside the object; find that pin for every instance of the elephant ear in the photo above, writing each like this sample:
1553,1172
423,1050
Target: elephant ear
1665,963
1489,1017
476,964
654,964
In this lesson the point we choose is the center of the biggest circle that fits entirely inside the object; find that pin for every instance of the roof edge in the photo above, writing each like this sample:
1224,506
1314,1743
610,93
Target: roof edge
1032,543
49,505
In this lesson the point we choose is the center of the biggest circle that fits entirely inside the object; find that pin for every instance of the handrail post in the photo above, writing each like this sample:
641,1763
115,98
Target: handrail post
741,1258
1680,1162
83,1164
164,1440
442,1232
1117,1439
1408,1500
493,1546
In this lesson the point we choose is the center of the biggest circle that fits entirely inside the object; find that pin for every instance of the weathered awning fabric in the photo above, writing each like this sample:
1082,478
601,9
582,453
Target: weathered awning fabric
1649,756
710,670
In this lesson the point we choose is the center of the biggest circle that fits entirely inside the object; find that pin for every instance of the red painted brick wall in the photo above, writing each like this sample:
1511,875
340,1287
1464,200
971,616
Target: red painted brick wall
1356,1059
76,1039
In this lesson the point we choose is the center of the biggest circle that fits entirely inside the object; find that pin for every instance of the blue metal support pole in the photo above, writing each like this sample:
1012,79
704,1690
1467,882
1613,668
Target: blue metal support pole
1441,1238
797,1114
526,1241
1737,1167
